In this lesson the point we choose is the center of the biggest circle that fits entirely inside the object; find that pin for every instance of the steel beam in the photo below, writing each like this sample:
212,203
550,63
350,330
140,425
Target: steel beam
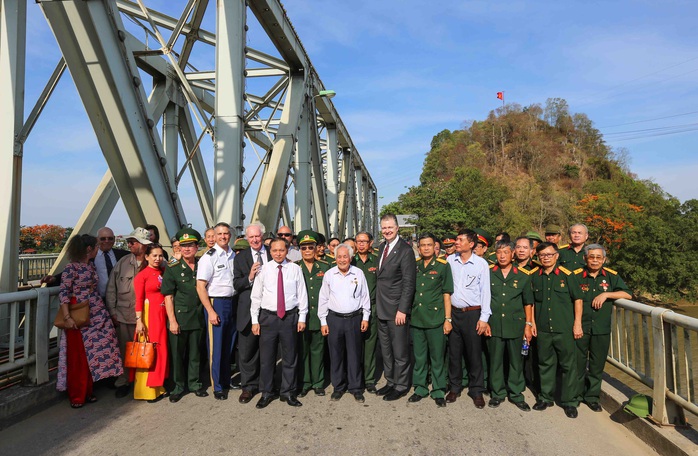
359,195
331,180
273,19
13,33
170,141
267,206
197,167
344,193
301,170
106,76
320,221
230,124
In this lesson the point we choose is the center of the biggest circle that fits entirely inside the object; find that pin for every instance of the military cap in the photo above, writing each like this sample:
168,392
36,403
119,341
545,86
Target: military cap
241,244
534,236
187,235
307,237
321,238
449,240
483,237
553,229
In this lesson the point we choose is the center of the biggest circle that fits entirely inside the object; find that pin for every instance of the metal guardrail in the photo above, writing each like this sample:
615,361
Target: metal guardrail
657,347
26,328
34,267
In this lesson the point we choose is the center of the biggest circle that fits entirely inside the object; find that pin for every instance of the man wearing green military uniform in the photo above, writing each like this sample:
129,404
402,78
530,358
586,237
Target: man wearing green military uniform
558,321
572,255
553,234
431,323
600,286
312,346
185,316
448,243
367,261
511,322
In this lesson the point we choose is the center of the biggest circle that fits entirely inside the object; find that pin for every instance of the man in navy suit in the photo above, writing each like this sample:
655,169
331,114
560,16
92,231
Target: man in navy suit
246,266
395,287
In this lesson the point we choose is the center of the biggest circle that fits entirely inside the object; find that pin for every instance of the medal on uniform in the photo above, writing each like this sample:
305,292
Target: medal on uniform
604,285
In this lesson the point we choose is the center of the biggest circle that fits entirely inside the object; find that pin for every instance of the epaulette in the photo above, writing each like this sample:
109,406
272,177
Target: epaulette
491,265
418,258
173,262
534,269
321,261
329,255
298,262
564,246
610,270
578,271
525,271
565,270
211,252
442,260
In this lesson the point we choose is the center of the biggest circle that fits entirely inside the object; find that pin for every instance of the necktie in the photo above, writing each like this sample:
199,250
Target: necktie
259,258
385,255
280,298
110,266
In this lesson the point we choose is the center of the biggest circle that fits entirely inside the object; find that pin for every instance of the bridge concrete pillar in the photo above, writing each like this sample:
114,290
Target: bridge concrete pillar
13,33
230,119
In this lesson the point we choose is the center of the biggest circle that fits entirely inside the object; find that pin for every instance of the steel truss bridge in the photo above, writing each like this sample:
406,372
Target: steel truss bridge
161,92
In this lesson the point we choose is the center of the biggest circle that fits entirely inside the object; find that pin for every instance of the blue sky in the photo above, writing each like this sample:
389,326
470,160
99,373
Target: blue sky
404,70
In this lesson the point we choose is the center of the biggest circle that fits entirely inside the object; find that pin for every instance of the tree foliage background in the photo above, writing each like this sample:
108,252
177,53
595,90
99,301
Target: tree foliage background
525,167
43,238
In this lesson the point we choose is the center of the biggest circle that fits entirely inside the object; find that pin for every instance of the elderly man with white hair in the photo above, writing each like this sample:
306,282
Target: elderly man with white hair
344,308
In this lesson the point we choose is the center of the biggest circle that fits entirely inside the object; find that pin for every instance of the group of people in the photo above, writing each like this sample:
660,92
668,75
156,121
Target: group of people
443,314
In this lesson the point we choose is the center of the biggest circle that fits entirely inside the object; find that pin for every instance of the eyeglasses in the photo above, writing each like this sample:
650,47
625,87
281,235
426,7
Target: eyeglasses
106,238
131,241
284,234
307,247
546,255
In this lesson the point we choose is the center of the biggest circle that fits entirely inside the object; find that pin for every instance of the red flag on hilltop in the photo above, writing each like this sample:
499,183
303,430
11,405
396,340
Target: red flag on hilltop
500,95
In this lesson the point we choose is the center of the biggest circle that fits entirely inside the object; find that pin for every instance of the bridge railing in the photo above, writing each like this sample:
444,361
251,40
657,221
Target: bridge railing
26,330
34,267
657,347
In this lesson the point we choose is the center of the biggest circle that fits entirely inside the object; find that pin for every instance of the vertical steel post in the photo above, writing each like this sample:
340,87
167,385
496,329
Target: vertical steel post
332,180
170,138
230,121
301,170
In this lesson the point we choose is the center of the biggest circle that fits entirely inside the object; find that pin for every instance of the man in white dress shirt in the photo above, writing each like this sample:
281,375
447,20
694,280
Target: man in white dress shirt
214,285
344,308
279,306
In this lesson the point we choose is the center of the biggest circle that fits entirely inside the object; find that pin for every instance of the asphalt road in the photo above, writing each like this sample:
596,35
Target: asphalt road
205,426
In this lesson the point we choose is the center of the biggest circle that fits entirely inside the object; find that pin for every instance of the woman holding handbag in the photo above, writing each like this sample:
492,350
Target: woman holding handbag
91,352
151,323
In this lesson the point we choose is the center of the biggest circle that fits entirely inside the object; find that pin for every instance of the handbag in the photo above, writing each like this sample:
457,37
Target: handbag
79,312
139,355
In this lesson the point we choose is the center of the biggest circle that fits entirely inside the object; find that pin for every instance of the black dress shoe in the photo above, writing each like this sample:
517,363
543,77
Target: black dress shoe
440,402
122,391
235,386
385,390
494,402
201,392
264,401
539,406
319,391
220,395
479,401
415,398
570,411
303,392
176,397
523,406
371,388
594,406
157,399
394,395
359,397
452,396
291,400
336,395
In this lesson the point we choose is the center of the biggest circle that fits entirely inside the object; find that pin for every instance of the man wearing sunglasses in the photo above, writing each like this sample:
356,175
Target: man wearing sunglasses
286,234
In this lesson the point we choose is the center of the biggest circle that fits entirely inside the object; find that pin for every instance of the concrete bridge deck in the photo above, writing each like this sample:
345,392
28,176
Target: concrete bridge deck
206,426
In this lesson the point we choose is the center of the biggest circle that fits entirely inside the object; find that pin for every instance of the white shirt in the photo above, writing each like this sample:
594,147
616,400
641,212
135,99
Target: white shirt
265,287
471,284
390,247
344,293
261,250
294,254
216,268
102,274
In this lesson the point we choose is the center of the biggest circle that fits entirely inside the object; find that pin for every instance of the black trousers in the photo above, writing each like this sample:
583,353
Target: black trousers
275,331
395,348
345,343
464,339
248,359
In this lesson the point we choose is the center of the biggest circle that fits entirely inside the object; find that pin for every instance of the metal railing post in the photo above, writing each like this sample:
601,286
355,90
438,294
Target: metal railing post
41,335
660,375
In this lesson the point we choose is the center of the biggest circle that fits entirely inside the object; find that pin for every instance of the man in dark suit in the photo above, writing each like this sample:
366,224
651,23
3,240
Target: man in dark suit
246,266
394,294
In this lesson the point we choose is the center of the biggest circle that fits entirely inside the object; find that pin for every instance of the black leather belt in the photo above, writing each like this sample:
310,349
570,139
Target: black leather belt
465,309
347,315
288,312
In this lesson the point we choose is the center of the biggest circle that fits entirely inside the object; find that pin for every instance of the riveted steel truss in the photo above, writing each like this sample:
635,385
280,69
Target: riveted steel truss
172,93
